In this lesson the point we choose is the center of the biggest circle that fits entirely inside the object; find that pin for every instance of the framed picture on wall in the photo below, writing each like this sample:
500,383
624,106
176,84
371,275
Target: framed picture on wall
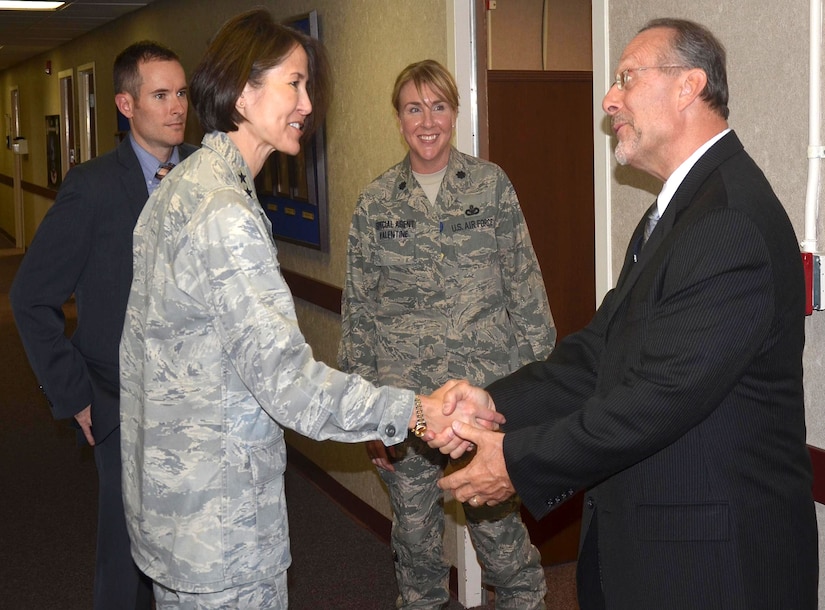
293,190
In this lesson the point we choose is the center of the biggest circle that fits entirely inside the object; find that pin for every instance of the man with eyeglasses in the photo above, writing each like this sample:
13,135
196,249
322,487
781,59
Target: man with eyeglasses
679,408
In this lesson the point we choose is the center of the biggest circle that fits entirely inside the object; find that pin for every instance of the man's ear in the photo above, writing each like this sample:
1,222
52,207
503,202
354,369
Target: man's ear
125,104
693,83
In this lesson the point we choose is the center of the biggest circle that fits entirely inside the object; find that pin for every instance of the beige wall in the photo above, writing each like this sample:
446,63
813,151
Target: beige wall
539,35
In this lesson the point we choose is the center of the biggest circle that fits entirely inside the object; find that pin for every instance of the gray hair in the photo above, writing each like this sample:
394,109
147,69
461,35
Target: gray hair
694,46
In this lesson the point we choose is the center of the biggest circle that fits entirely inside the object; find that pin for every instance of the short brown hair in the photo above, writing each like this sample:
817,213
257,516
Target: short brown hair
126,70
431,73
241,52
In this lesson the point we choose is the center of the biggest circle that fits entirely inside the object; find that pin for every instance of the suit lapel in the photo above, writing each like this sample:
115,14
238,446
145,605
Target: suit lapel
133,183
131,178
707,163
632,254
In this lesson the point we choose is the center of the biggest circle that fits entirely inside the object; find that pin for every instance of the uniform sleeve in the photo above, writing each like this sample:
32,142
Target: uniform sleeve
356,353
46,279
256,321
524,292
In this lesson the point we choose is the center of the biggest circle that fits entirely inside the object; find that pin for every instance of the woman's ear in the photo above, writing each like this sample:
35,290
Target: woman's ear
244,99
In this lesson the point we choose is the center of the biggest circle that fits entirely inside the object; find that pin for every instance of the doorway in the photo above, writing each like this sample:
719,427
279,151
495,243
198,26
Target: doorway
87,113
16,135
539,110
67,151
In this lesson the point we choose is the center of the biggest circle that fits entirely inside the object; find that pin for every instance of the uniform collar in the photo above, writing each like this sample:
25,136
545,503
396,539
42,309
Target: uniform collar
229,152
455,176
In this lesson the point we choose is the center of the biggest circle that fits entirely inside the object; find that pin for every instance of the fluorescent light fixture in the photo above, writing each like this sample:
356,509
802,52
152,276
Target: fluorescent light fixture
29,5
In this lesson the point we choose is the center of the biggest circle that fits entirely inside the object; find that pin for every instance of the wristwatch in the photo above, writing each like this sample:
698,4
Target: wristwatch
420,424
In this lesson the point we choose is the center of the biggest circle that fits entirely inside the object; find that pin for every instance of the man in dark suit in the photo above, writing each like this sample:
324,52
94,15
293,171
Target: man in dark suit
84,247
679,408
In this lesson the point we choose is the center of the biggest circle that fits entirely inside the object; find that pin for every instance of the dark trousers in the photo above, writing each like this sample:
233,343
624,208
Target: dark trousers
588,571
119,585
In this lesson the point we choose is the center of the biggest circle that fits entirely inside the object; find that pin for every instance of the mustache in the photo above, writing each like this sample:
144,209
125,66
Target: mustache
618,119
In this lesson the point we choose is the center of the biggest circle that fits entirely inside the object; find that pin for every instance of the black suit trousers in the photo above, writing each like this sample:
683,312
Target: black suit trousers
118,582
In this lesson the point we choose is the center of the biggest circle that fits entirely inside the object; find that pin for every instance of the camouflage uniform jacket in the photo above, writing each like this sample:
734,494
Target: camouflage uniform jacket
436,292
213,363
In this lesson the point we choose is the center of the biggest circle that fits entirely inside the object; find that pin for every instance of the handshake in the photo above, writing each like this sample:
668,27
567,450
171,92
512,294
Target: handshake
460,417
455,401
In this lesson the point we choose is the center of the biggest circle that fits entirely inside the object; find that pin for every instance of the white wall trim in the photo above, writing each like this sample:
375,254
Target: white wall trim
461,49
602,153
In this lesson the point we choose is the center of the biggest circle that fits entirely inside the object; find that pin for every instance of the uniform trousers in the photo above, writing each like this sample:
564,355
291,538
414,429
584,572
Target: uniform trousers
268,594
509,561
119,585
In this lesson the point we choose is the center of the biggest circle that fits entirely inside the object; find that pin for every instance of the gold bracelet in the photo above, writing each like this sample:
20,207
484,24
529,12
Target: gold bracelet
420,424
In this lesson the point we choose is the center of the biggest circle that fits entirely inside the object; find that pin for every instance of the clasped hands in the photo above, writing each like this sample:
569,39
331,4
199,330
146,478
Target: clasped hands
467,420
439,417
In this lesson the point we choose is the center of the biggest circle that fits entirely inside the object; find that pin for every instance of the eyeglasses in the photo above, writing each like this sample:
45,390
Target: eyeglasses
623,77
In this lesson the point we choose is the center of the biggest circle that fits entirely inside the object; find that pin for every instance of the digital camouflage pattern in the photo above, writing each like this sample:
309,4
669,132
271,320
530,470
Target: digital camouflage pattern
438,292
445,291
270,594
213,364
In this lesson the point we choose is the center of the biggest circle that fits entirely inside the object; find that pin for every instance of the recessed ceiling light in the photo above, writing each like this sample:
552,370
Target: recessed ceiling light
29,5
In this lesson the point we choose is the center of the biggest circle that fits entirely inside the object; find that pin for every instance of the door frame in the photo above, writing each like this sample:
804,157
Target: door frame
68,158
87,112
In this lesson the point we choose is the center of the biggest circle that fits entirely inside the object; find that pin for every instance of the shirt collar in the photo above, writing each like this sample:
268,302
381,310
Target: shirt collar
149,163
675,180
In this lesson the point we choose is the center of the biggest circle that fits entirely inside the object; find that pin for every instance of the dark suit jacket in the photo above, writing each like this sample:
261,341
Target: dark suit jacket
83,247
680,409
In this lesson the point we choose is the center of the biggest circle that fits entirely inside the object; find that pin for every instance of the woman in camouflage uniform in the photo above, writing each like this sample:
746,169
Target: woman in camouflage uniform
212,358
442,283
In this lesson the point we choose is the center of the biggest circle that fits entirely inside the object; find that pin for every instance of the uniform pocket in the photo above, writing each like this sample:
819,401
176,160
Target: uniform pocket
397,286
267,465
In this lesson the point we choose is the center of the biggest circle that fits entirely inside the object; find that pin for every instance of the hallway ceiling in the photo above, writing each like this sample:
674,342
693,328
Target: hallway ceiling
26,34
